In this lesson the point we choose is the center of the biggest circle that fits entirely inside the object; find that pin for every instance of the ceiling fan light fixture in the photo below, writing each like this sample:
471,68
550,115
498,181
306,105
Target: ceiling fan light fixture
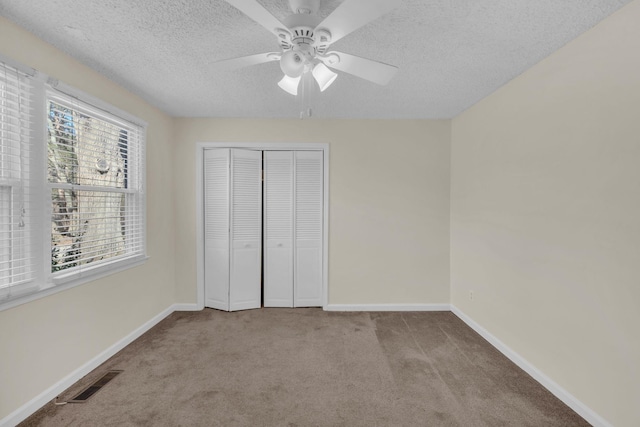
324,76
292,64
290,84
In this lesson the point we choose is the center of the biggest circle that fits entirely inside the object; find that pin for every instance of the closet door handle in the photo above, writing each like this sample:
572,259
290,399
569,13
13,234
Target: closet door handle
279,245
247,245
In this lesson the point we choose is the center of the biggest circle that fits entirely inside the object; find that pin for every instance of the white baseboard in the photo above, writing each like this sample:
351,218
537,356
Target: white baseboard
187,307
580,408
43,398
387,307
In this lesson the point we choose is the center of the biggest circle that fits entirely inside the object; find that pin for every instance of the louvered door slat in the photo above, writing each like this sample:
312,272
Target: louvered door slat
278,231
308,228
216,217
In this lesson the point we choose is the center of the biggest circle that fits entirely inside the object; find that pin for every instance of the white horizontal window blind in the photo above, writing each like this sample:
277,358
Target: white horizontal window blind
95,175
16,101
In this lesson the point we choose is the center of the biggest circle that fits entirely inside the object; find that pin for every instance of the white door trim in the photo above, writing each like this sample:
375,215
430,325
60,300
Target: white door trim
262,146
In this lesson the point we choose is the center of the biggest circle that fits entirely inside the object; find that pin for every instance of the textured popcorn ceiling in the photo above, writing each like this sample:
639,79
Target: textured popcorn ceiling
451,53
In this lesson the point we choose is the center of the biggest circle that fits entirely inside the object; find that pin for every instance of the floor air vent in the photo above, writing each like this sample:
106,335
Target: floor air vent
93,388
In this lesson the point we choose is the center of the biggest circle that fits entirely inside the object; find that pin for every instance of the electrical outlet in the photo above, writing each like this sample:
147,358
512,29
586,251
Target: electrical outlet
471,295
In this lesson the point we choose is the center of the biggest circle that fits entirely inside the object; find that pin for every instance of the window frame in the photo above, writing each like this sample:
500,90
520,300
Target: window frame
44,281
133,191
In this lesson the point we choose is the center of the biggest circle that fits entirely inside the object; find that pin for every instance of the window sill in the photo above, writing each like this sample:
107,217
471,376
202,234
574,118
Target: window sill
63,282
95,272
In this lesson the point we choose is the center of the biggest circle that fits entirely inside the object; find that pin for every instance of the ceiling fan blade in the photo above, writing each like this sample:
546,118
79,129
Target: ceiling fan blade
353,14
374,71
246,61
258,13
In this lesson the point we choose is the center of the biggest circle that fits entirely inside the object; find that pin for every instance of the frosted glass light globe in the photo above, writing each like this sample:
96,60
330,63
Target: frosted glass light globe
292,64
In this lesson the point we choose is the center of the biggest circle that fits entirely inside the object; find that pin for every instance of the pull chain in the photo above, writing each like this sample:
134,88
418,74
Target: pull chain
23,211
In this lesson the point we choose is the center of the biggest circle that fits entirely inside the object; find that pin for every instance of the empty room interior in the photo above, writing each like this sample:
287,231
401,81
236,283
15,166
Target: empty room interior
465,208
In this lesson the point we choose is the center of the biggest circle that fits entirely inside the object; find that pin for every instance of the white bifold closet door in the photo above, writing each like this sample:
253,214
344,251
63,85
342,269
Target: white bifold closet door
233,228
293,201
278,228
216,228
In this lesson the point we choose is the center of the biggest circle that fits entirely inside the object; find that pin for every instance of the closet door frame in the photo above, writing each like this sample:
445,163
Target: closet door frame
267,146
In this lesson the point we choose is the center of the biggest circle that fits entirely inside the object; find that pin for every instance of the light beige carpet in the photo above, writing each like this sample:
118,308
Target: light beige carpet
307,367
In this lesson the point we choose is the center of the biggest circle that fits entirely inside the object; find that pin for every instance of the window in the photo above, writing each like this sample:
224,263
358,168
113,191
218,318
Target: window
72,202
95,184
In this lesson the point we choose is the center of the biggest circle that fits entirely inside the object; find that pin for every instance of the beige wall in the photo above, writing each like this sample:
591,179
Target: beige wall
43,341
545,216
389,203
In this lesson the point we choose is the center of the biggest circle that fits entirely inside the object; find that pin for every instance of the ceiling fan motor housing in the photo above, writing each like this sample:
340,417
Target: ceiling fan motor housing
304,38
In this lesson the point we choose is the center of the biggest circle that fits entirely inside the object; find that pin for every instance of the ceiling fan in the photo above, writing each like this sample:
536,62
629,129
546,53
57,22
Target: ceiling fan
305,39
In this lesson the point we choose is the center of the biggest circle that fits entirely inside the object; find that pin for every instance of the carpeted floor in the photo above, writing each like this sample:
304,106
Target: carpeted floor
308,367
